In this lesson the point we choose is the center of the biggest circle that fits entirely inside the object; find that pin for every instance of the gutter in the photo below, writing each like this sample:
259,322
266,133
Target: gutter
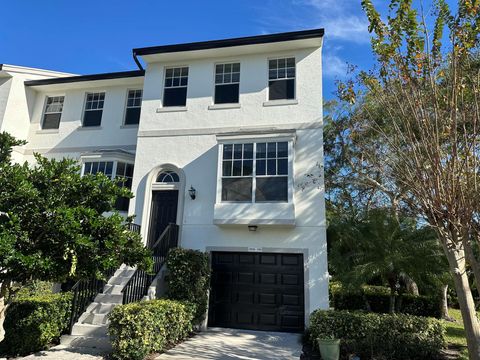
136,60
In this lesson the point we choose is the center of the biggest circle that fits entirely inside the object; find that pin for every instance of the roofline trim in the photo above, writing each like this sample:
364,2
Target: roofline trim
91,77
215,44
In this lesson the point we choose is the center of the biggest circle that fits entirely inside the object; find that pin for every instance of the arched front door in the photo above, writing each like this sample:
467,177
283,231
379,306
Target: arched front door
164,204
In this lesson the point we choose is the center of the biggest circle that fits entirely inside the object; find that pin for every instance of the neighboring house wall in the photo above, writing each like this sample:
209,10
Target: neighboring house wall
5,84
71,139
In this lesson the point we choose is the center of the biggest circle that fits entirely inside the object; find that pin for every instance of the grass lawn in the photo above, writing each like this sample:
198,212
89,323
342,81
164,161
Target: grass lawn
455,333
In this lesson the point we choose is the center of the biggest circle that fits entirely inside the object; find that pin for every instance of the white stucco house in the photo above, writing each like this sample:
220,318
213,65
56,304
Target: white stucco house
215,137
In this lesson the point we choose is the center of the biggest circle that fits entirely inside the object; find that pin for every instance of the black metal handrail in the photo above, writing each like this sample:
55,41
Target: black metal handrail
137,286
84,291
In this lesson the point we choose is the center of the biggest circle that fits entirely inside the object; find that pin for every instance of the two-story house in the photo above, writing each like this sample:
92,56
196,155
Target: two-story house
214,136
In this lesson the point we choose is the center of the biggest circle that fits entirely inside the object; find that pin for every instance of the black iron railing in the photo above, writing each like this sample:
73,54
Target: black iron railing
137,286
134,227
85,291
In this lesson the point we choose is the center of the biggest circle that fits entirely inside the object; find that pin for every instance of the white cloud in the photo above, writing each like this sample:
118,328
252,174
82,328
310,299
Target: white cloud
342,19
334,66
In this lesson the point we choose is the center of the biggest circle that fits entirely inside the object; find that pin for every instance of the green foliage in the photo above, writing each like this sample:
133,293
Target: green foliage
33,323
138,329
368,335
189,278
377,299
53,224
379,245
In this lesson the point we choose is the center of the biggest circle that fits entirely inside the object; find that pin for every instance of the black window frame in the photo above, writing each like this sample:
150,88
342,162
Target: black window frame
133,106
89,108
282,74
243,166
227,78
175,85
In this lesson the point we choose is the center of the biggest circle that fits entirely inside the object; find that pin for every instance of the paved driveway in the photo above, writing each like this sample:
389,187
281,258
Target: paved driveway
231,344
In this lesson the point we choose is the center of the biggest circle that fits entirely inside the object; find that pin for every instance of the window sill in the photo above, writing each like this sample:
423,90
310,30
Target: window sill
171,109
224,106
281,214
47,131
280,102
129,126
89,128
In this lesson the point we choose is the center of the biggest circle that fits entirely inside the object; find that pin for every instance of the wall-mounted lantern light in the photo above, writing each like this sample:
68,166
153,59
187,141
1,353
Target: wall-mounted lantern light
252,227
193,192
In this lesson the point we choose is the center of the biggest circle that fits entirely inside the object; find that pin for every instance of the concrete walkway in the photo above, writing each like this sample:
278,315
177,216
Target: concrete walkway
231,344
62,352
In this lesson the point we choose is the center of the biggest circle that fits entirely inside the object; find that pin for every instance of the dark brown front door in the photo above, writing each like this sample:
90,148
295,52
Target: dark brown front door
162,213
258,291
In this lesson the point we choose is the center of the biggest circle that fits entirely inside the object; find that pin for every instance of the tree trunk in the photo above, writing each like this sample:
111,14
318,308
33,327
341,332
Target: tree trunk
3,307
411,285
472,261
456,260
444,307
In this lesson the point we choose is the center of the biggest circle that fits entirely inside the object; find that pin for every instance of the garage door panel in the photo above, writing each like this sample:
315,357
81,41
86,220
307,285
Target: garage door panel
263,291
291,279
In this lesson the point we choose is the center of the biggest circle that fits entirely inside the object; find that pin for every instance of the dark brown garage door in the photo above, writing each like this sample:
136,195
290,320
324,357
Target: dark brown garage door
258,291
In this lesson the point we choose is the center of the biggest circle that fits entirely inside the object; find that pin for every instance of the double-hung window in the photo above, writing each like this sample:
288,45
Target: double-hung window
53,112
255,172
93,109
175,90
281,79
227,83
134,104
113,170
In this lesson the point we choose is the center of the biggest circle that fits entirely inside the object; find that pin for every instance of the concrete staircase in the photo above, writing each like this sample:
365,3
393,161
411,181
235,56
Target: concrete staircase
90,331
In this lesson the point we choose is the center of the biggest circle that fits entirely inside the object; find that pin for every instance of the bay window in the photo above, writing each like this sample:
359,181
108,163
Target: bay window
113,170
255,172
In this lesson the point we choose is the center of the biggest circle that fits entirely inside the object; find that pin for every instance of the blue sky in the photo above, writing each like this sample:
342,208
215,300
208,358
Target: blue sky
93,36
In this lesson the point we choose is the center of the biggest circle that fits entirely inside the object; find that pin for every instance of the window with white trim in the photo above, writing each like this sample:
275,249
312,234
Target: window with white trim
93,109
175,90
255,172
134,104
281,79
113,170
227,83
53,112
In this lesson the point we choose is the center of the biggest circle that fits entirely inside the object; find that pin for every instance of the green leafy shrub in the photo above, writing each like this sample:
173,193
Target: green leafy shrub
189,278
33,323
377,299
138,329
380,336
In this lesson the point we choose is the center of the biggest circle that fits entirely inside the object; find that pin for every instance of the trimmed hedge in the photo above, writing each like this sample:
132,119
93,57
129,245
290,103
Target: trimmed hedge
189,278
380,336
32,323
378,298
138,329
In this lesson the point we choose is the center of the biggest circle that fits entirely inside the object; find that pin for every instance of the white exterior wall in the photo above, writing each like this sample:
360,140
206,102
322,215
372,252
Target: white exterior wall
71,139
188,140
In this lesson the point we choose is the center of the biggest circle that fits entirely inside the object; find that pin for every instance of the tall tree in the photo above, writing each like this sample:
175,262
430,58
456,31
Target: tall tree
53,224
419,109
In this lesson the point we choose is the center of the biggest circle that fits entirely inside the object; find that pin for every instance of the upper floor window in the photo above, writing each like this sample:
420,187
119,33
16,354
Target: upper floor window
134,104
227,83
113,169
255,172
53,112
281,79
176,81
93,109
